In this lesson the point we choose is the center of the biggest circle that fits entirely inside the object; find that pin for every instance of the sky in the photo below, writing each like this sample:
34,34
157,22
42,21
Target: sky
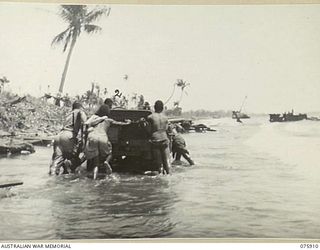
269,53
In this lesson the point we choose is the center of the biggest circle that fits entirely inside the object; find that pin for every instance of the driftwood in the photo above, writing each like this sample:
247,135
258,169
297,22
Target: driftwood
10,184
38,141
15,147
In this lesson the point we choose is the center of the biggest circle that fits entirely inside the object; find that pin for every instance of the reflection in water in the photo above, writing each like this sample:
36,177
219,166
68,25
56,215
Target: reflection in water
250,180
123,206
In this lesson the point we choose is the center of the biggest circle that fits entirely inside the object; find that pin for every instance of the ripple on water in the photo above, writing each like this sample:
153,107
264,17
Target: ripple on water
234,190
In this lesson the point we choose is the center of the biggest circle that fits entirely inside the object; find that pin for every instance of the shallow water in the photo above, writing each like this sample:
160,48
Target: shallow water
252,180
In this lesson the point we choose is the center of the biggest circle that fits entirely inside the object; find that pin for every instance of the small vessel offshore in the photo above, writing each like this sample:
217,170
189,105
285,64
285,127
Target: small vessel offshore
287,117
238,114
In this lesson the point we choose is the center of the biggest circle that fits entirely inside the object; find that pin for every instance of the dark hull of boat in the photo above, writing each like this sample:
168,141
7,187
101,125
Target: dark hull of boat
287,118
238,115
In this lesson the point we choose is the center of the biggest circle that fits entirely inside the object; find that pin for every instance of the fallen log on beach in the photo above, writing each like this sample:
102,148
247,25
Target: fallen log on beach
15,147
10,184
29,138
39,141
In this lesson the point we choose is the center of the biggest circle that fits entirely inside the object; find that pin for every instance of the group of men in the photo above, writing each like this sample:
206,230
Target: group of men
71,145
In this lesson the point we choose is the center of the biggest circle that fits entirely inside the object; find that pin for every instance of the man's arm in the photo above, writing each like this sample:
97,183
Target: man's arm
83,116
119,123
148,124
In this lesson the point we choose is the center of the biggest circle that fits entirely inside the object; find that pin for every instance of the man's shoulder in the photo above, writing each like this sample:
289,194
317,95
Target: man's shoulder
163,116
151,116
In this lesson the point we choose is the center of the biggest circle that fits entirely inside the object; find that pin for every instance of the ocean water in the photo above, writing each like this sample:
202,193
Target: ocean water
251,180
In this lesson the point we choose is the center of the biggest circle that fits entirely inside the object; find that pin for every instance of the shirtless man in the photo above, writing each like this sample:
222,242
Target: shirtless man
67,144
160,142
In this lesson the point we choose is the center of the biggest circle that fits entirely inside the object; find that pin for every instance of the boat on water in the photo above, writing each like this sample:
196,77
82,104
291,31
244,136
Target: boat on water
238,114
287,117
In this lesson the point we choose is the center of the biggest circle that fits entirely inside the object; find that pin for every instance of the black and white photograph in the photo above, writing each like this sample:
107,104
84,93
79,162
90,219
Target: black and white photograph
153,121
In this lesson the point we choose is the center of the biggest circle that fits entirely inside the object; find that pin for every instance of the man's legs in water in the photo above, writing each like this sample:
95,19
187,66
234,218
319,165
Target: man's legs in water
157,159
165,158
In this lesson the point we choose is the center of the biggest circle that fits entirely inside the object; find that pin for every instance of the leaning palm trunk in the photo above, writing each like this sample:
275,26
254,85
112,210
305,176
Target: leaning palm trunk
79,19
174,87
181,95
66,66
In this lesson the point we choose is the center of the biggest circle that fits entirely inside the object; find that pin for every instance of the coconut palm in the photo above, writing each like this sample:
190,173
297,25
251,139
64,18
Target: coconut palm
181,84
173,90
79,19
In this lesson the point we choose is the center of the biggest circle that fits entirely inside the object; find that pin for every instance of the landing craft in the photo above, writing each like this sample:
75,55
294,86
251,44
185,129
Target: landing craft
287,117
238,114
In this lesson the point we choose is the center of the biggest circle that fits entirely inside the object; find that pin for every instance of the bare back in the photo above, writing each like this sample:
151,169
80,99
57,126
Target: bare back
159,125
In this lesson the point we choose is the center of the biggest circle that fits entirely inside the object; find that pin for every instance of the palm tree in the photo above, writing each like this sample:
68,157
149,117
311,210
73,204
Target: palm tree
181,84
174,88
79,19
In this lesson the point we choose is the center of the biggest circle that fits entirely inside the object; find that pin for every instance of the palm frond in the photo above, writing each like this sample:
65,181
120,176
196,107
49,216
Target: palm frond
61,37
65,15
185,85
69,12
95,14
90,28
73,13
74,9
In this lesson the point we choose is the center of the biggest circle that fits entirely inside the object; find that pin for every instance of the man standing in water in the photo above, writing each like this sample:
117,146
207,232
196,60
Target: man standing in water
179,146
68,143
160,142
